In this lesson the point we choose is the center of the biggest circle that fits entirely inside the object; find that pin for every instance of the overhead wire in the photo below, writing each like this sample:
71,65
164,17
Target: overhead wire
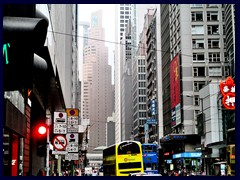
120,43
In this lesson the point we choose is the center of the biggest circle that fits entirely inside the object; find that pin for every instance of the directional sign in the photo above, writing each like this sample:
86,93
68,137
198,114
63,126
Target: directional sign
59,142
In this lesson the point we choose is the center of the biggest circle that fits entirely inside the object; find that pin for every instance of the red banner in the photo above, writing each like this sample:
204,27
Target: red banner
175,81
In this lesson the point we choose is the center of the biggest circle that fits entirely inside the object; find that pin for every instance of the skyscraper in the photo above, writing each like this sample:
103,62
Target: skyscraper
97,90
122,16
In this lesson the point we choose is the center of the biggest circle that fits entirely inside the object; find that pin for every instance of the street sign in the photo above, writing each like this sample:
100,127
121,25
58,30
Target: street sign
59,128
72,112
72,156
59,152
60,117
72,128
59,142
72,119
72,139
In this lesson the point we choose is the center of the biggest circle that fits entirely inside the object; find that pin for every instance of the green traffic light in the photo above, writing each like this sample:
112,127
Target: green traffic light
5,47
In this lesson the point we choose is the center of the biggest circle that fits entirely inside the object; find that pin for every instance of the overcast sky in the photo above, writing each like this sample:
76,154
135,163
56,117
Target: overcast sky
108,11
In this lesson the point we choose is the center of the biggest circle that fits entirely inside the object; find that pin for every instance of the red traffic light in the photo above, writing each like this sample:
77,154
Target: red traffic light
42,130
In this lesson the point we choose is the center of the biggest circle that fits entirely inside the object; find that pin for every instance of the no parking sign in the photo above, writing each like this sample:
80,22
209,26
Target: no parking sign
60,142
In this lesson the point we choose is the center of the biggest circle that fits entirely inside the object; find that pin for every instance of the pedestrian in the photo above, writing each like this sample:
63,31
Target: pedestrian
41,172
76,173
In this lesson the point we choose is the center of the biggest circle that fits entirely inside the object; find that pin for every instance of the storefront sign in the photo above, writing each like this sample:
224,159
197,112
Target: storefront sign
187,155
228,91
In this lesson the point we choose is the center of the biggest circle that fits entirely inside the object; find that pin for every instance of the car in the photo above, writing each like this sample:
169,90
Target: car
138,174
152,175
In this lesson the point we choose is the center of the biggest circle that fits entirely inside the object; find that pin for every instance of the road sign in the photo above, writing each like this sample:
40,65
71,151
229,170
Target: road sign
59,142
72,112
72,156
60,117
72,119
72,128
59,128
59,152
72,139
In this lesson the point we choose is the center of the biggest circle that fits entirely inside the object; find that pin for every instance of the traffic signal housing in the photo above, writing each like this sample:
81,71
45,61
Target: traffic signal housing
40,136
24,35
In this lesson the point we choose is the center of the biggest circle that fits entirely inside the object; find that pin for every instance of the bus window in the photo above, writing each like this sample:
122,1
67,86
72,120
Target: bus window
128,148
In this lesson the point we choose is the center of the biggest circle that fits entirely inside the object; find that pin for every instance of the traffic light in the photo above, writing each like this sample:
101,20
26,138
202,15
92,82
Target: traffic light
42,130
24,34
41,139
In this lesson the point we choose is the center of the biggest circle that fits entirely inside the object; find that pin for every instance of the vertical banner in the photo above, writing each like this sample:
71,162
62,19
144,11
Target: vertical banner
175,90
146,132
15,142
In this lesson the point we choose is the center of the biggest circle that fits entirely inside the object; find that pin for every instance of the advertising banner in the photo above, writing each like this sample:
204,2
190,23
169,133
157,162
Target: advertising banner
175,91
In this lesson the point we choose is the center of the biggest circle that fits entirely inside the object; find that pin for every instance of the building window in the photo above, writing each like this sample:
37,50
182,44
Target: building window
214,57
198,71
215,71
212,16
213,29
196,100
197,29
198,57
226,71
198,85
213,43
198,43
197,16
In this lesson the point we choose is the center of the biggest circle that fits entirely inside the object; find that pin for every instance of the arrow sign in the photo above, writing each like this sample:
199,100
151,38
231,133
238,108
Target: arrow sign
59,142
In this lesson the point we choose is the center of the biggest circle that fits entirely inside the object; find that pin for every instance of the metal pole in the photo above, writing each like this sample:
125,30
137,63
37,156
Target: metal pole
47,156
48,122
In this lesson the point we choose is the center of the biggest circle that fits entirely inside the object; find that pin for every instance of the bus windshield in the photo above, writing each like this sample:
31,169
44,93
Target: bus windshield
128,148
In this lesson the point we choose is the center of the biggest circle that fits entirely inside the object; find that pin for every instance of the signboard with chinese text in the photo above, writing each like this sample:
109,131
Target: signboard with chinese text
175,91
227,89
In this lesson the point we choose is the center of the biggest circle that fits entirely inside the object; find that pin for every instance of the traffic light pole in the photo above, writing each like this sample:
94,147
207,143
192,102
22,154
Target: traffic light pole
48,122
47,156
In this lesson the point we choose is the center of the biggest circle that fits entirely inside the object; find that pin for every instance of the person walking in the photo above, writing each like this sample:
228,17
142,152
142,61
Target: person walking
41,172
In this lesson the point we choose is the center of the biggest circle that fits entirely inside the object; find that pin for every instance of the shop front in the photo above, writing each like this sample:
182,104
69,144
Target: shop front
191,161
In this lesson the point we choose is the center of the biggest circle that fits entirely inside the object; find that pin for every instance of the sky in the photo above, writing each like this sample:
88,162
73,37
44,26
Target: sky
108,11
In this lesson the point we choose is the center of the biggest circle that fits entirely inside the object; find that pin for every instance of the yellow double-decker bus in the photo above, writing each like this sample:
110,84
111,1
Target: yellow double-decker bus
231,160
123,158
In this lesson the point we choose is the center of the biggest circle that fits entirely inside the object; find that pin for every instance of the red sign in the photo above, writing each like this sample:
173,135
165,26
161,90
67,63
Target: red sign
60,142
175,81
228,91
14,155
